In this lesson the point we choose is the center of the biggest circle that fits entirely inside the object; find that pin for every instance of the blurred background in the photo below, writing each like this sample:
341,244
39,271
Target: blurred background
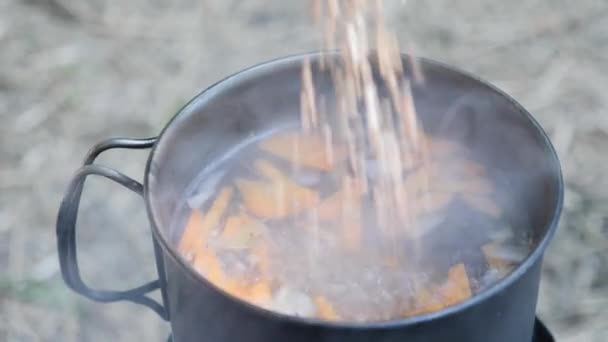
75,72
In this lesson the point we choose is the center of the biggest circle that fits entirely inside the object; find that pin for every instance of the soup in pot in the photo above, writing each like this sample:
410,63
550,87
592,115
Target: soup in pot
286,224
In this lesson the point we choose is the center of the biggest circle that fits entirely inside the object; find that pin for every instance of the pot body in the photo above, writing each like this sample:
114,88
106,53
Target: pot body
486,120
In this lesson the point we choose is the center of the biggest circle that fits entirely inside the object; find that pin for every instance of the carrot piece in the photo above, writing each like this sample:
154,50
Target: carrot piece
304,150
412,157
241,231
477,186
280,180
420,180
275,201
259,293
483,204
471,168
351,233
277,198
430,202
391,261
209,266
480,186
424,302
218,208
231,228
193,231
261,199
198,227
457,288
261,254
440,148
325,310
331,207
268,170
346,212
494,262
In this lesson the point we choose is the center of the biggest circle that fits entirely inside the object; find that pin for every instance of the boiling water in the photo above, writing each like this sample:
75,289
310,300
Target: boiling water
280,231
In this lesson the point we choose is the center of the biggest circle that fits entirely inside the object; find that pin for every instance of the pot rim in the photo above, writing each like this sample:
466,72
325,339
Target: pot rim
492,290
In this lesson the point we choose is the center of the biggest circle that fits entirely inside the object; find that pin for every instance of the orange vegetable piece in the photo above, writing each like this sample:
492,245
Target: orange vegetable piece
241,231
479,186
198,226
271,172
193,231
351,233
471,168
292,190
425,302
259,293
409,160
495,262
231,229
440,148
420,180
325,310
344,207
332,207
208,265
457,287
278,198
261,199
262,256
391,261
304,150
430,202
275,201
483,204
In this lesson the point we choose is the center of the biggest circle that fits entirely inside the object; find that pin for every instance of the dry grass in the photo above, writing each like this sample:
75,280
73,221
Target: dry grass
73,72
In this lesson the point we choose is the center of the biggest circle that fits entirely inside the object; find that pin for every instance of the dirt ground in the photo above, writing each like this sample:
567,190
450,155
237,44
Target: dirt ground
75,72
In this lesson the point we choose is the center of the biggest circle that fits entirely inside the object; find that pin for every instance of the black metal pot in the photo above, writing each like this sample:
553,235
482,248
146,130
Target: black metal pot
245,103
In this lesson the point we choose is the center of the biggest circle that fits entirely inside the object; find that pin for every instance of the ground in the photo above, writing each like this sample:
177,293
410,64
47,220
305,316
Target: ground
75,72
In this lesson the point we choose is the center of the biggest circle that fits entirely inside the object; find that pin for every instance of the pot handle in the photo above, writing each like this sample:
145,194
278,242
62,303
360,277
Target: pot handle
66,228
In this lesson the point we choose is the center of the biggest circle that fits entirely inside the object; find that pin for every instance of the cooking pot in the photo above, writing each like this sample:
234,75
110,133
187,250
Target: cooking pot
481,116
